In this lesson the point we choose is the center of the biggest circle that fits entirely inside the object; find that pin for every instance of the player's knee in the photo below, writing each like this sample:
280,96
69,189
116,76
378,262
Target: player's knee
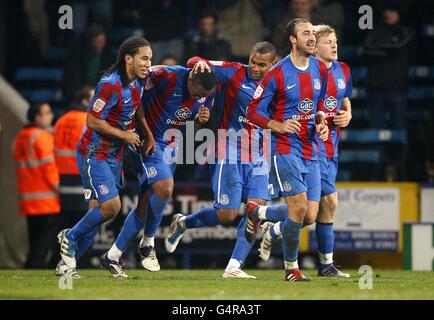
299,210
165,192
111,208
308,220
227,215
331,205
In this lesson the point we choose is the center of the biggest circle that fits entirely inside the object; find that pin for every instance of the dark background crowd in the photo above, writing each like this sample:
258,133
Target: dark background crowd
392,64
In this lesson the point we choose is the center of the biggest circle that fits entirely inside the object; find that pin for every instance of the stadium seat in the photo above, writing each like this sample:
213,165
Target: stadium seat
120,34
427,31
57,53
42,95
360,156
35,74
373,135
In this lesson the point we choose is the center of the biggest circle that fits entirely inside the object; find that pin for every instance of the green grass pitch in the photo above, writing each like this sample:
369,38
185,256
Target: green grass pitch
208,285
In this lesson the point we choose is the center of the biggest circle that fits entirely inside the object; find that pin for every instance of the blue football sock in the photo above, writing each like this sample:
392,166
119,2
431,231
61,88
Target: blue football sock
205,217
291,239
131,228
92,219
84,243
325,238
154,215
277,212
242,246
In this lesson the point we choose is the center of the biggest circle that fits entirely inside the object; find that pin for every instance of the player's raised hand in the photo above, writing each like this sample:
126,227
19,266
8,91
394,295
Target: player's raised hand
203,114
131,138
342,118
323,131
201,66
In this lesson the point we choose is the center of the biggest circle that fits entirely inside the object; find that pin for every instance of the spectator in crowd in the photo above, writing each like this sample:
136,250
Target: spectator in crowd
164,24
95,11
248,28
296,9
207,42
169,60
67,132
38,22
388,50
330,12
38,183
87,63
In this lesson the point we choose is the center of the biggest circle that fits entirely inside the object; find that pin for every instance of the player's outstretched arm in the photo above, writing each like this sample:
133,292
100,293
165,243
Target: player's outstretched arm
105,129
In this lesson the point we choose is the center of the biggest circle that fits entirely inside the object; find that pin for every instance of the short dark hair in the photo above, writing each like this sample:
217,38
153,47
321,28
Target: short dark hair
93,31
209,13
290,27
206,80
83,93
167,56
265,47
34,110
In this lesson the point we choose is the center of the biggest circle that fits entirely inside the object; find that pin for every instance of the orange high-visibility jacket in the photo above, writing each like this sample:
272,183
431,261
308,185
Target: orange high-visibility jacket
67,133
36,171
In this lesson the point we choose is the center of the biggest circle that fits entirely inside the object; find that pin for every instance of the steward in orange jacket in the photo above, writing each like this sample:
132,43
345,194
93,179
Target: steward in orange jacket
38,183
67,132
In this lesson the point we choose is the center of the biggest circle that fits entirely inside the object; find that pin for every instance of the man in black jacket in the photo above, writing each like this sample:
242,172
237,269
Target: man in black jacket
388,49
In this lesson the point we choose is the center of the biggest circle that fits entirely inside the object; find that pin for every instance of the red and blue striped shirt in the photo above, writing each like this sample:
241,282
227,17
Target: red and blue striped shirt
287,92
117,105
339,87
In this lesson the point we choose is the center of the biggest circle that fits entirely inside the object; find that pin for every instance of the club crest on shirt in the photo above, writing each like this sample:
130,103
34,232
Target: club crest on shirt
341,84
183,114
286,186
316,84
306,105
103,189
152,172
98,105
330,103
201,100
224,199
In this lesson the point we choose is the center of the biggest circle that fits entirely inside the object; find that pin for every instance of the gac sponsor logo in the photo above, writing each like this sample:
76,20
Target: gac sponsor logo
306,105
130,117
330,103
183,113
175,122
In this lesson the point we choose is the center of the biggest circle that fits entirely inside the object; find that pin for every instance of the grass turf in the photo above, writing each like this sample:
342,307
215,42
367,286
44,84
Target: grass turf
209,285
